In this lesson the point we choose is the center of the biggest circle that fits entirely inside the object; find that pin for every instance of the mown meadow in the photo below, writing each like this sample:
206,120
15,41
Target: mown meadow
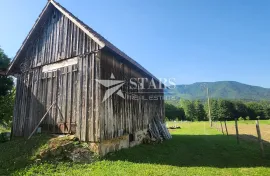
196,149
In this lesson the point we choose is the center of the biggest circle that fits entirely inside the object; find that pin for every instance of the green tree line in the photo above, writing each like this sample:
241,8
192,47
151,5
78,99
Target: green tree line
221,109
7,91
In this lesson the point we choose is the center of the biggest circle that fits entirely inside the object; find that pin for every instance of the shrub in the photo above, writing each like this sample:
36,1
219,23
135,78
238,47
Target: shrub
241,118
6,107
247,118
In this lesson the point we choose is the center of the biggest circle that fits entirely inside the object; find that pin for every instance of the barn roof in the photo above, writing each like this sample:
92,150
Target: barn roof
89,31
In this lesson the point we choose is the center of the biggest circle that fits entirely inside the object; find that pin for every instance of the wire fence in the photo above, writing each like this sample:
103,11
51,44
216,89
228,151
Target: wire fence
252,130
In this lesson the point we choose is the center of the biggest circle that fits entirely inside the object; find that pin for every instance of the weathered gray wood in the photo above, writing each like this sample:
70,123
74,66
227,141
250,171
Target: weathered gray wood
225,123
260,138
83,101
221,126
69,98
91,124
41,121
236,129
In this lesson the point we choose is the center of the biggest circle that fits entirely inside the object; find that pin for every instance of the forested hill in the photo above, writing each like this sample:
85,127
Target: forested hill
221,89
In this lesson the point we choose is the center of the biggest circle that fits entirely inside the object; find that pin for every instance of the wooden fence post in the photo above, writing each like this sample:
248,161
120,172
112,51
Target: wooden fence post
236,129
226,127
260,138
221,127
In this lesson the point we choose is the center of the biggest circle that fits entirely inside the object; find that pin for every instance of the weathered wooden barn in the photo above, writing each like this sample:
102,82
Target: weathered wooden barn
58,66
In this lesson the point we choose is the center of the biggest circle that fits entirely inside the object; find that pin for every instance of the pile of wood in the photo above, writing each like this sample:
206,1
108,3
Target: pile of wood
158,130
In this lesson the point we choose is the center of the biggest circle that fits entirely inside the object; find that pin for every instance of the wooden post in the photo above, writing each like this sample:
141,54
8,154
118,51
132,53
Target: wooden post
11,132
221,127
237,133
209,108
226,127
260,138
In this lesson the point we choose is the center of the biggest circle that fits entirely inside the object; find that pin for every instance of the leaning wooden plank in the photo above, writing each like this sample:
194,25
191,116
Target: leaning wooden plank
40,121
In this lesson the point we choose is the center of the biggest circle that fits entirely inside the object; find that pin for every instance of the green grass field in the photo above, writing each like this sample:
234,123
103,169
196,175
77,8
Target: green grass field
195,149
262,122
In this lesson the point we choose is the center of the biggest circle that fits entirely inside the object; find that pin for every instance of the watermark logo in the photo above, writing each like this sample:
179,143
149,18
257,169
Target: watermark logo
139,88
113,86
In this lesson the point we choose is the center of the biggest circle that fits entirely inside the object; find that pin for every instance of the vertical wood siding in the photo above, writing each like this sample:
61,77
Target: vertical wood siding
120,116
73,88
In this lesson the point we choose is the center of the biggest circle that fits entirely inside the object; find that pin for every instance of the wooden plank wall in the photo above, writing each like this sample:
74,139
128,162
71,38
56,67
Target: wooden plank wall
73,88
125,116
56,39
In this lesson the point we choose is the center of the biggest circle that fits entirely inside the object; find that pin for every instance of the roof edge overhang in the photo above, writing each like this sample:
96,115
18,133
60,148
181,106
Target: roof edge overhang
136,65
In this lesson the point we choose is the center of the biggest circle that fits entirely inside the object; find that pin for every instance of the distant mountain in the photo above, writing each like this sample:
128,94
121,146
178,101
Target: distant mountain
220,89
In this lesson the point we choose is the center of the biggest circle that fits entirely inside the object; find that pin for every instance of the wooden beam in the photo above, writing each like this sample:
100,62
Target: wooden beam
61,64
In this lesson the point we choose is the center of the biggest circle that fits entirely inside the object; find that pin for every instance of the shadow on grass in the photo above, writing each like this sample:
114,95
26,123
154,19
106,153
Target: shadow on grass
16,154
183,150
197,150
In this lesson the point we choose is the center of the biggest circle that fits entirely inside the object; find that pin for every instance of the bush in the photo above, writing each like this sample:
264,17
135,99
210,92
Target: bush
247,118
6,107
241,118
4,137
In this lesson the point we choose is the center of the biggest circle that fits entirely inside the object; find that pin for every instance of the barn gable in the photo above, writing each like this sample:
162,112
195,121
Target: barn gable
54,37
61,13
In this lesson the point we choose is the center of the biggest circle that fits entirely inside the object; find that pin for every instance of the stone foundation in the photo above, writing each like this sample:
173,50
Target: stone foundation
118,143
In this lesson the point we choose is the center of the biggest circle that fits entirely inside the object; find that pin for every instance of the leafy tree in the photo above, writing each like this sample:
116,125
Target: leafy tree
6,93
255,109
174,113
214,109
226,109
200,111
241,109
267,112
189,109
6,82
6,107
266,109
220,110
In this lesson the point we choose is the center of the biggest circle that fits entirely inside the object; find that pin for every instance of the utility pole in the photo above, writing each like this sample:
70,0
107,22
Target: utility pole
209,108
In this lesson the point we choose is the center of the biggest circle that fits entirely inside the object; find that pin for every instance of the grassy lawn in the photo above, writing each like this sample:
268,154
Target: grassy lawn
262,122
195,149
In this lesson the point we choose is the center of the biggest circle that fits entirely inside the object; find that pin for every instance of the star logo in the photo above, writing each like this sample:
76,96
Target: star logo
113,85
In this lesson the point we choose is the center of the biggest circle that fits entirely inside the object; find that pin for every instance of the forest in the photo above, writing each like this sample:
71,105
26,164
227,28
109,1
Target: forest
220,109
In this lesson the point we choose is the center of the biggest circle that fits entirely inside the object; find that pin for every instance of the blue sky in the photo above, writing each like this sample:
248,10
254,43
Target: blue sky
190,40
